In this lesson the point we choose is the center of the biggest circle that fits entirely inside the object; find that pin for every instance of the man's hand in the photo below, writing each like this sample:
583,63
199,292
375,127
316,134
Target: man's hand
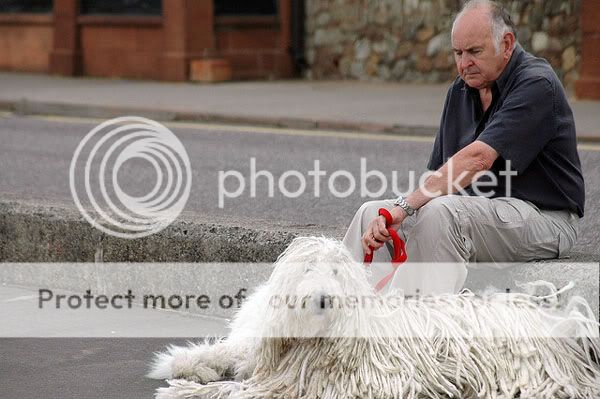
469,163
377,234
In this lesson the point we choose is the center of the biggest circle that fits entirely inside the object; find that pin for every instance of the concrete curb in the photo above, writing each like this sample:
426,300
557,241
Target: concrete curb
27,107
37,233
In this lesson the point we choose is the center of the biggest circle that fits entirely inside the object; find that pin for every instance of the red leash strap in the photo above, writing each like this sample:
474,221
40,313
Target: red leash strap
399,255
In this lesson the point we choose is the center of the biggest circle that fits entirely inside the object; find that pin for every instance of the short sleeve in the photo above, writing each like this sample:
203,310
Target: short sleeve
523,124
435,159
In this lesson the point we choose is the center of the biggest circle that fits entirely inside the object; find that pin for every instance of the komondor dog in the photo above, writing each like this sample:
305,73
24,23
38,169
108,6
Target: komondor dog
317,329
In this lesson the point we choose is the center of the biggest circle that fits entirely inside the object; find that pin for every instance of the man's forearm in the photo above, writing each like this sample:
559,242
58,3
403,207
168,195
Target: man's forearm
454,175
460,171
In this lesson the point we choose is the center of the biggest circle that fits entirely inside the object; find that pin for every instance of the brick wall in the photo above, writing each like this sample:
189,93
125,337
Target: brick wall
25,42
588,85
255,46
121,51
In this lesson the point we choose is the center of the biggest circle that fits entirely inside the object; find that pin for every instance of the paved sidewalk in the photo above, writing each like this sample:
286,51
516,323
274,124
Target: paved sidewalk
24,317
346,105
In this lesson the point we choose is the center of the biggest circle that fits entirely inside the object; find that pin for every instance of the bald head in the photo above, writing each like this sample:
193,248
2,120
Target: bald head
472,24
491,15
482,42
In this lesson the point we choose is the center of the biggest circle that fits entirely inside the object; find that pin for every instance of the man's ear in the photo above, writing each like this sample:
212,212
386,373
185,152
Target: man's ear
508,45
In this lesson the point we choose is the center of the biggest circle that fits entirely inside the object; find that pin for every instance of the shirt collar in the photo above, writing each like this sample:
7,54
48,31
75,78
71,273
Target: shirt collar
510,67
505,75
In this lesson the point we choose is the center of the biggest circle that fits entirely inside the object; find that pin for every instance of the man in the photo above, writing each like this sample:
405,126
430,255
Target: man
507,111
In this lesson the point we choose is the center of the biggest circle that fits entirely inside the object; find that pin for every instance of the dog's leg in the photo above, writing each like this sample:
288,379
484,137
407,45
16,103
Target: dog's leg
232,358
201,363
183,389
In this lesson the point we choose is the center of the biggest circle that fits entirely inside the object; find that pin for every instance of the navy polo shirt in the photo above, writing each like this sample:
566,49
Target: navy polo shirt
529,123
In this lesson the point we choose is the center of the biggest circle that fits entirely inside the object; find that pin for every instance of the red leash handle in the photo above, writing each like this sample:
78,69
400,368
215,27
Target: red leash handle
400,256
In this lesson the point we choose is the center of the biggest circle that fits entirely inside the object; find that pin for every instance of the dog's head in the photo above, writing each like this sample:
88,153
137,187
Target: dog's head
315,284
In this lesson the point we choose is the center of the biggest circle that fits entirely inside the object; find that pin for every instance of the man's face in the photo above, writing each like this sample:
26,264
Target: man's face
477,61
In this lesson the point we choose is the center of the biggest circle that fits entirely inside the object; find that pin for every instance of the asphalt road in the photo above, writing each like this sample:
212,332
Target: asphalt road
35,154
78,368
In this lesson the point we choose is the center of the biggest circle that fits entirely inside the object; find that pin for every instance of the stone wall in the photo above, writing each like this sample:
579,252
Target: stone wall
409,40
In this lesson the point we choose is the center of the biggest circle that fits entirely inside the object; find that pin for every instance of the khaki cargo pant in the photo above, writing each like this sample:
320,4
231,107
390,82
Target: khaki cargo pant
462,231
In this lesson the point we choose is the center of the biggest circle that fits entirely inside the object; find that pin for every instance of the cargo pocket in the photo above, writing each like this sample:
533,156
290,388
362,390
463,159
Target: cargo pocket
510,210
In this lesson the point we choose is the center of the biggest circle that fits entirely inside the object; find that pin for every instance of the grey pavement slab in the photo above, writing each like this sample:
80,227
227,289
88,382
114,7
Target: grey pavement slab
351,105
23,317
181,300
213,290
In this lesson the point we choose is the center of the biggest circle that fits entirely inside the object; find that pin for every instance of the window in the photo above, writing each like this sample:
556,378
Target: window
121,7
246,7
26,6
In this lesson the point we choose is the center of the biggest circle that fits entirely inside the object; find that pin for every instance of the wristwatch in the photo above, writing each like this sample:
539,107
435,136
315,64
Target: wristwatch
401,202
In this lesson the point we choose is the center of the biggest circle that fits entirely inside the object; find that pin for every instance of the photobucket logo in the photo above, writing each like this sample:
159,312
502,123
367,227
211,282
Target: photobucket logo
105,151
233,183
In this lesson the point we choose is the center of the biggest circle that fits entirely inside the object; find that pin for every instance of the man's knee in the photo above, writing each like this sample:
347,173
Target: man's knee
439,210
437,220
436,234
370,209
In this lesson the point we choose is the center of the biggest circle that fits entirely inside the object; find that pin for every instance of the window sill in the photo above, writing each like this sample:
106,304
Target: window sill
26,19
120,20
247,21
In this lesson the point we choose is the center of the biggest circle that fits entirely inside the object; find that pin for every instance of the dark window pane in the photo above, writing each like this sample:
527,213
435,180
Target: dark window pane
41,6
245,7
122,7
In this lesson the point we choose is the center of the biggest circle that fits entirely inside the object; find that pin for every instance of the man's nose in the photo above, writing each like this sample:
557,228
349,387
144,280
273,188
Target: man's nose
465,61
